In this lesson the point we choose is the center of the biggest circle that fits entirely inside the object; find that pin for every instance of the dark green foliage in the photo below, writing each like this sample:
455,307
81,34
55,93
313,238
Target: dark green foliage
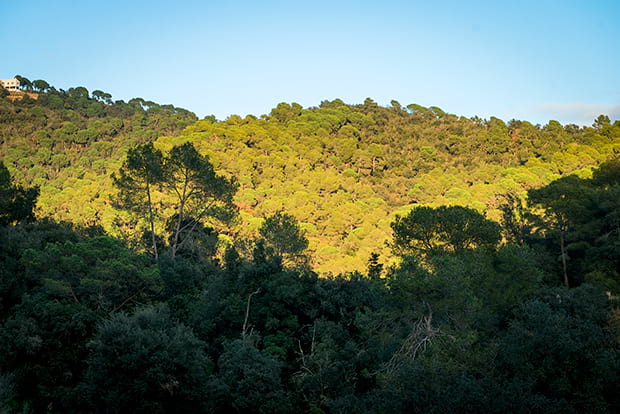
282,233
146,363
329,369
98,273
562,200
183,276
375,268
7,390
248,381
513,274
419,389
558,347
426,230
201,194
44,346
56,285
514,221
461,322
16,203
471,330
14,241
580,225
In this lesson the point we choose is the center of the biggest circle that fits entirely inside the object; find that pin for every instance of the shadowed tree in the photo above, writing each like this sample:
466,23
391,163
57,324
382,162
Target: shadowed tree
141,172
455,228
582,214
561,202
514,220
282,233
200,193
6,392
16,203
249,380
375,268
558,347
191,187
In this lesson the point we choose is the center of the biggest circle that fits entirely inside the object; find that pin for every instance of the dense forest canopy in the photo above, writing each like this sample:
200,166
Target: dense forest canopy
464,323
343,171
153,263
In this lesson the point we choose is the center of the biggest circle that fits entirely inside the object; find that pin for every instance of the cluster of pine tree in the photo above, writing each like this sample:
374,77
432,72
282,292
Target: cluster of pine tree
69,142
464,322
343,171
193,285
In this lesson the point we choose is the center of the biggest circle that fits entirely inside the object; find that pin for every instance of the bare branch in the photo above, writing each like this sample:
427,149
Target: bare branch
244,330
418,339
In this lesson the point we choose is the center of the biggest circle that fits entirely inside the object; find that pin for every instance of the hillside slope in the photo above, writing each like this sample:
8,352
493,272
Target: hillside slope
345,170
69,142
342,170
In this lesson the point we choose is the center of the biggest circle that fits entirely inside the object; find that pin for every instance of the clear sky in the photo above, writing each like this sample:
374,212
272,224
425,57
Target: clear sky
531,60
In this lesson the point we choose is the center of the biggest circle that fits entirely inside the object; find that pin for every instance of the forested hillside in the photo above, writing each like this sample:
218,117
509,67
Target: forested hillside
69,142
465,323
153,263
343,171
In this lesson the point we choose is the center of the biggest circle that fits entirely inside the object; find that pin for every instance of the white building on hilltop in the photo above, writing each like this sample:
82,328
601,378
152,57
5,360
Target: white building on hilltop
10,84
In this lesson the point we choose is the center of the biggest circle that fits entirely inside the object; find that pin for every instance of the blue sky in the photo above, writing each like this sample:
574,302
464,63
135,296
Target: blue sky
532,60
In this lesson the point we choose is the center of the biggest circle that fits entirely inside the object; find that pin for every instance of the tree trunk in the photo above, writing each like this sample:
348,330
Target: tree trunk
151,219
563,253
244,329
180,217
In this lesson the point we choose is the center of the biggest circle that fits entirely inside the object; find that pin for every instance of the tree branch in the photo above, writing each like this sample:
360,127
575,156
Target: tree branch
244,330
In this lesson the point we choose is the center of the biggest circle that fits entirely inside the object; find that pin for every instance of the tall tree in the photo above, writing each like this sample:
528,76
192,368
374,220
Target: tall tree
40,85
192,190
141,172
199,192
561,202
24,83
